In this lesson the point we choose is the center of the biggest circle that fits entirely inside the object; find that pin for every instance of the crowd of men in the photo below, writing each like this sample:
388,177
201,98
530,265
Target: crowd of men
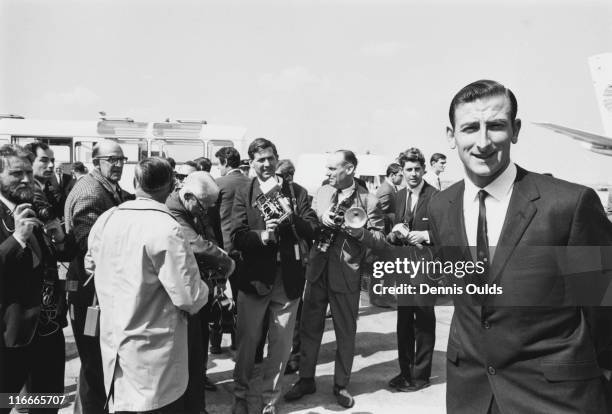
147,286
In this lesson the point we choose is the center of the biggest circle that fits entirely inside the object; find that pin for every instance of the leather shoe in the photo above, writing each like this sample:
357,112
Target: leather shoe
343,397
397,380
302,387
405,385
240,406
209,385
420,384
269,409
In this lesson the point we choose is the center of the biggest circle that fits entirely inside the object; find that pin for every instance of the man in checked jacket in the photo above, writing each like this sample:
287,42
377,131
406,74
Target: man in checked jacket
90,197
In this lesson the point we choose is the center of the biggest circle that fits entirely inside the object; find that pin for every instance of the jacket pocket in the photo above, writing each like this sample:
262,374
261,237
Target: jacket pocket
452,354
570,371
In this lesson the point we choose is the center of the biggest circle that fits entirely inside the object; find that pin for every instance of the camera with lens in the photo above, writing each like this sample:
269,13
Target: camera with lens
342,215
272,204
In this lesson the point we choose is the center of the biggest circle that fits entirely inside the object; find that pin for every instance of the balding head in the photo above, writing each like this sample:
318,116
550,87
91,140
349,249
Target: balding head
199,191
109,159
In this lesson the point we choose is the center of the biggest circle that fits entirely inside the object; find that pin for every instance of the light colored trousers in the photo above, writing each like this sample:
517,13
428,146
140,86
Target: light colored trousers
251,312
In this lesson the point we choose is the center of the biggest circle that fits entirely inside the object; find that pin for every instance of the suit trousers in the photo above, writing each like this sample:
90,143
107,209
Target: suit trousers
416,337
194,397
344,310
90,394
251,312
41,364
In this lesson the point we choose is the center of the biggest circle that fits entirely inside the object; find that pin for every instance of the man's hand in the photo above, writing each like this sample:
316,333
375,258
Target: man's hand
25,221
54,229
417,237
328,218
272,224
356,233
232,267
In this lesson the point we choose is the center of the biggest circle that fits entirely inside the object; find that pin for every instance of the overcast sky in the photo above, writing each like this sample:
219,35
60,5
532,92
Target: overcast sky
313,75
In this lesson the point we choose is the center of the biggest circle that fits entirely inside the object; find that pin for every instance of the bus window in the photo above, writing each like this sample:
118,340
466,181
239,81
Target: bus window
215,145
61,147
133,149
180,150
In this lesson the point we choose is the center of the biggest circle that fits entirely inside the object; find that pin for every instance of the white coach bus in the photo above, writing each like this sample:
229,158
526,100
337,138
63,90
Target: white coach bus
73,140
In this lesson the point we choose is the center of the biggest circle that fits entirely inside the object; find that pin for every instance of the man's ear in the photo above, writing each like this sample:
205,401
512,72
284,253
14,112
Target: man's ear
350,168
450,136
516,129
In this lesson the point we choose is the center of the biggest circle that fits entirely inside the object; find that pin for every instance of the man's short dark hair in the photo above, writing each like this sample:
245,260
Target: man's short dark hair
192,164
153,174
260,144
349,156
33,147
202,164
483,88
412,155
436,157
79,167
393,168
229,155
285,166
13,151
172,162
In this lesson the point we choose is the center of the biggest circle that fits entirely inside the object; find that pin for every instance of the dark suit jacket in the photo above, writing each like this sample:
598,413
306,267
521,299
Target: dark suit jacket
260,260
200,235
387,194
344,274
540,358
228,184
21,287
420,221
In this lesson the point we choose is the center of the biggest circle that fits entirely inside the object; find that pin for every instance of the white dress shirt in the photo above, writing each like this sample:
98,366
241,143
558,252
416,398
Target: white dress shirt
415,195
345,193
433,179
496,203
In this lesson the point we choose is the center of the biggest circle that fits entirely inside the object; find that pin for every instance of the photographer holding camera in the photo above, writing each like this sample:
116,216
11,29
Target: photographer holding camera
333,274
32,305
272,278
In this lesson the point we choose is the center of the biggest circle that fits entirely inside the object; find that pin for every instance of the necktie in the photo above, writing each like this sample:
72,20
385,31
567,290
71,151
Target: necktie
408,216
482,240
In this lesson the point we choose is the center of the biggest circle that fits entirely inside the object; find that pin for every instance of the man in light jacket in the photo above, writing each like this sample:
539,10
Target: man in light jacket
147,280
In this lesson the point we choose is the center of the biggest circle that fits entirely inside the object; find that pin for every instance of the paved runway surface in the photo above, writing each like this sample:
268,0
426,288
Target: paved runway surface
375,363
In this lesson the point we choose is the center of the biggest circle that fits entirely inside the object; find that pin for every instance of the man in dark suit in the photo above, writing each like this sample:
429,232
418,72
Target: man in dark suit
541,240
272,278
416,323
91,196
79,170
387,192
334,275
32,305
231,180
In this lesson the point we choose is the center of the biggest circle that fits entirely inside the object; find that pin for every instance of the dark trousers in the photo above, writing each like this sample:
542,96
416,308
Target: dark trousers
416,337
344,309
90,395
194,398
41,363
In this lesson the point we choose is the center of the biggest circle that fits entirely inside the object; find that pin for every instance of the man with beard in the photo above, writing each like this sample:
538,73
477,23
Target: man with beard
31,296
91,196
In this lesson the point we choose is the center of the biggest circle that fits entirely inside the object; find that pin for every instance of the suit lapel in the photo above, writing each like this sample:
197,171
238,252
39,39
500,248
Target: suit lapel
521,210
401,203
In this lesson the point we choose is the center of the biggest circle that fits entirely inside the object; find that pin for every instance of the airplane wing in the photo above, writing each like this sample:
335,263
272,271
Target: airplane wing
596,143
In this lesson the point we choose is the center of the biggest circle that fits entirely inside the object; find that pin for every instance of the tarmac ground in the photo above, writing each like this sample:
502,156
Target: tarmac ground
374,364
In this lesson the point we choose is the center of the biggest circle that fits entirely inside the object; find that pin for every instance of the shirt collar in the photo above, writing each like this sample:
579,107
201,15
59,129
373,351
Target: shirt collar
417,189
9,204
279,180
39,183
498,189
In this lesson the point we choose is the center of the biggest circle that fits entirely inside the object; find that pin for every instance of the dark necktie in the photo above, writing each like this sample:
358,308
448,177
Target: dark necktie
408,215
482,240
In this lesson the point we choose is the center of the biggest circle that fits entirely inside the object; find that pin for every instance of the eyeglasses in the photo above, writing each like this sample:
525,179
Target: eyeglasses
113,160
